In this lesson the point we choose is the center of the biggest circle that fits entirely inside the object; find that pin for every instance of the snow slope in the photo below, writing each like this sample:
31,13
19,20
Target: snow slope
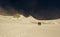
28,27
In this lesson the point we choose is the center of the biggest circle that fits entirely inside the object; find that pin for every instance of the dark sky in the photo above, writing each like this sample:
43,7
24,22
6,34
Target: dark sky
32,3
46,7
